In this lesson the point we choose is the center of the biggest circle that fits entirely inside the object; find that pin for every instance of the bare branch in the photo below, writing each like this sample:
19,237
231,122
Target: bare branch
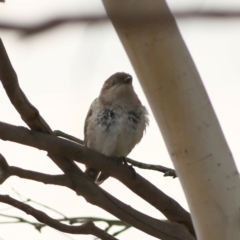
67,180
79,181
17,219
168,206
168,172
67,136
120,231
28,30
104,201
9,79
47,207
3,169
87,227
28,112
71,220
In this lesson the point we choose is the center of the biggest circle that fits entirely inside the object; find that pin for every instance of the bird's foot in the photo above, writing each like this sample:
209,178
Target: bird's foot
122,160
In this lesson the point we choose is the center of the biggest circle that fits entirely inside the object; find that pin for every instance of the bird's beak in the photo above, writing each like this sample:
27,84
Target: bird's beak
128,80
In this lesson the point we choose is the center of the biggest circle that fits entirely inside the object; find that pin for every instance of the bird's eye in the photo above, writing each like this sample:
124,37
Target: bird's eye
113,83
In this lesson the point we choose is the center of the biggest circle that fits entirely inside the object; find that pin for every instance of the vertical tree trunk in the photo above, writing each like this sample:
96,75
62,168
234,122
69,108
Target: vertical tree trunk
184,113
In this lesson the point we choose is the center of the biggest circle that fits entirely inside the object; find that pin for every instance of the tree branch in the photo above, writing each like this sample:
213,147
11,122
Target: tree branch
72,220
80,182
168,172
29,114
87,227
17,219
28,30
68,136
7,171
168,206
91,195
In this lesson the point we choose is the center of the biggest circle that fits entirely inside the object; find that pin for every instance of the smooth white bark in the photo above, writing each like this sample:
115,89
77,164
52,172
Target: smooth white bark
184,114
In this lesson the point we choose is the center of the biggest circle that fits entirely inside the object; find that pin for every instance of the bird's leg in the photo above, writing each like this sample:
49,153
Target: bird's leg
125,161
122,160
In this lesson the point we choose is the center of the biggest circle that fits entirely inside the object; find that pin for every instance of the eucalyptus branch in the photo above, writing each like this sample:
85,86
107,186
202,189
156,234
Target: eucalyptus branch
87,227
48,24
168,172
68,136
47,207
63,153
17,219
71,220
168,206
28,30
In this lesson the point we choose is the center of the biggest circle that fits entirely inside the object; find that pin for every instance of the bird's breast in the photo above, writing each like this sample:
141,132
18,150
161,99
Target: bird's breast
115,132
109,120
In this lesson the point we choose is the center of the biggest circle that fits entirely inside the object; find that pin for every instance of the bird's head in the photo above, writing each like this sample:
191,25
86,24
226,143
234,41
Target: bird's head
119,79
118,87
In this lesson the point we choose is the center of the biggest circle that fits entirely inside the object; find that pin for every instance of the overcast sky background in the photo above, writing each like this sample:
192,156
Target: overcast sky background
61,71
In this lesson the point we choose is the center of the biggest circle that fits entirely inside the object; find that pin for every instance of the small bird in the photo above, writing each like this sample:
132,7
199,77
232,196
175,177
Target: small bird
115,121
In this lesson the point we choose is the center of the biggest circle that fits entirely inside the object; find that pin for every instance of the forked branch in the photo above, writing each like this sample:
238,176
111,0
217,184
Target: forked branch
87,227
63,153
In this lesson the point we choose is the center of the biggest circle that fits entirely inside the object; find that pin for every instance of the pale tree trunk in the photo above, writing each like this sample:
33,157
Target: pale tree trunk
184,113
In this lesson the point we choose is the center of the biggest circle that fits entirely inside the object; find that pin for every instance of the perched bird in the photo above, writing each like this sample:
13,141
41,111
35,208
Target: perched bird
115,121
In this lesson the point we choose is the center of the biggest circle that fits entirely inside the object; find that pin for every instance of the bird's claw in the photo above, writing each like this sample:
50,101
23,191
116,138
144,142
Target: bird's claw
122,160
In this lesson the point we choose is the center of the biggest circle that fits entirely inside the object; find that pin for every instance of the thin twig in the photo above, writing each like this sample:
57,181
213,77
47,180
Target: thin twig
52,209
20,220
68,136
120,231
168,172
71,220
25,199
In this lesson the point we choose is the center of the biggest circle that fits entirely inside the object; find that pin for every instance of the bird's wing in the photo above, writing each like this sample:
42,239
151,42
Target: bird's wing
89,114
